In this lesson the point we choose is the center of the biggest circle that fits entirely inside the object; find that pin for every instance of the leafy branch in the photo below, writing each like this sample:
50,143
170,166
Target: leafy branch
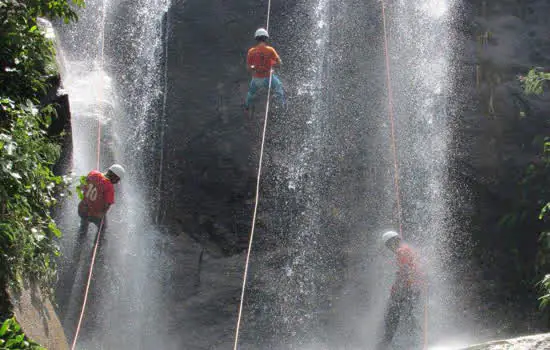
27,154
533,84
535,81
12,337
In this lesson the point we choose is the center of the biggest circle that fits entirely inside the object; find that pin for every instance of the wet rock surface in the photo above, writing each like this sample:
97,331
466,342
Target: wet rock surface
495,139
38,318
210,150
325,182
536,342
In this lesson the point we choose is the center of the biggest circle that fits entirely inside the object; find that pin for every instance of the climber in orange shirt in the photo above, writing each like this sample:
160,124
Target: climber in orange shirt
99,194
406,290
260,61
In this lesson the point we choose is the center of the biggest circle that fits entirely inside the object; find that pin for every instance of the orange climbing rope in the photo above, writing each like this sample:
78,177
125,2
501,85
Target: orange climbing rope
100,228
395,160
92,263
392,123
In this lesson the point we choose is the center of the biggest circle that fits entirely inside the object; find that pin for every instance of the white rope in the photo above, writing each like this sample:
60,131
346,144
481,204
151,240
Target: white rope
159,216
267,22
251,238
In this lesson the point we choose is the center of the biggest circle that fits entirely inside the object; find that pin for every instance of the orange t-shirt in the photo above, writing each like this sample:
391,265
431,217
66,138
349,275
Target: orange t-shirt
97,192
408,273
262,57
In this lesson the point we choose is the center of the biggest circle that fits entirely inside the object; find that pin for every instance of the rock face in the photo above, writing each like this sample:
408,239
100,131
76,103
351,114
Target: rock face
60,127
535,342
495,139
325,182
211,165
211,152
38,319
209,170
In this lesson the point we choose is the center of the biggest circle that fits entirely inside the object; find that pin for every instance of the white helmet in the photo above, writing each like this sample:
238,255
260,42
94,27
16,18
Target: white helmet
118,170
261,32
386,237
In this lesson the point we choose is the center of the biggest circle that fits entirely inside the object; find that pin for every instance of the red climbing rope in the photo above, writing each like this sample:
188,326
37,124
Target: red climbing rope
392,123
100,228
98,143
92,263
395,160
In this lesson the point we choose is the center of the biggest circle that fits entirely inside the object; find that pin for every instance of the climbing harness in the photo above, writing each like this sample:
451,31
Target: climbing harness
257,197
395,161
100,228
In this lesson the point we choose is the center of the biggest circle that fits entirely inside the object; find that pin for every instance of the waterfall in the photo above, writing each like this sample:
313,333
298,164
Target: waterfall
421,44
341,174
319,276
302,284
113,71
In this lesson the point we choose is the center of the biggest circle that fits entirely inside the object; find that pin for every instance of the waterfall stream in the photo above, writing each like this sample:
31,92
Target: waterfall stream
319,276
113,73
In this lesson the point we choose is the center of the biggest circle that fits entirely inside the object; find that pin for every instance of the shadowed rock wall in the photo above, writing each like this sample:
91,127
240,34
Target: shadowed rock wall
209,163
38,318
496,137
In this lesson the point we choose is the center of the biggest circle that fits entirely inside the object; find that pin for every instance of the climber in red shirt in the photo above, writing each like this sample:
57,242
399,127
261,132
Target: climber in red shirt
260,61
406,290
99,195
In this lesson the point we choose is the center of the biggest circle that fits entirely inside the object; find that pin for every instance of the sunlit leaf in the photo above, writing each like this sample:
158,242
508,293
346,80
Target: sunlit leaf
5,326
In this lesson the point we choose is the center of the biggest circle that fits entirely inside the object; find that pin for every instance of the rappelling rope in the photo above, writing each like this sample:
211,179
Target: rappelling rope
88,283
100,95
257,198
102,223
267,20
392,123
395,161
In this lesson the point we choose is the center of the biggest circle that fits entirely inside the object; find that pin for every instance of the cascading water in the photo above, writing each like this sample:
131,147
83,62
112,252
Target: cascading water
343,211
289,297
421,44
334,190
114,77
420,40
300,289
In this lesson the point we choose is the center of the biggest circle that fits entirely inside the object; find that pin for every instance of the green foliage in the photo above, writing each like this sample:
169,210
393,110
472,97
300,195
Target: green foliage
544,257
54,9
534,81
26,56
27,184
545,286
12,337
82,183
27,194
536,181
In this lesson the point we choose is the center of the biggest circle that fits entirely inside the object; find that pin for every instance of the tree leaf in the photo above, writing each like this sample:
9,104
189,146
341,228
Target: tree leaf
5,326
